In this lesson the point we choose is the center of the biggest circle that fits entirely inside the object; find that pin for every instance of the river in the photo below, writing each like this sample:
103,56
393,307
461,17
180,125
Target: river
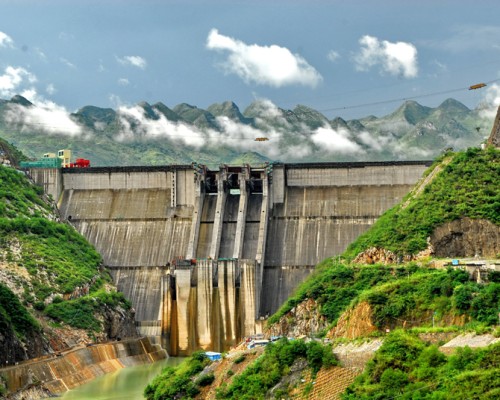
124,384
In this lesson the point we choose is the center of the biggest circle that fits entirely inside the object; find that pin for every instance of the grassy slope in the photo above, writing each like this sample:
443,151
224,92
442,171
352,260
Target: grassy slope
407,368
56,257
395,294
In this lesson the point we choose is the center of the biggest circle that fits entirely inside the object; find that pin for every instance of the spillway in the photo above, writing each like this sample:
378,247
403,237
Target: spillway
230,220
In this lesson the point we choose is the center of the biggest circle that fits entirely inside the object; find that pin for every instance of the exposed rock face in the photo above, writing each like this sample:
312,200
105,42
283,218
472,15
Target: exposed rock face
304,319
376,255
466,237
13,349
354,323
118,323
35,392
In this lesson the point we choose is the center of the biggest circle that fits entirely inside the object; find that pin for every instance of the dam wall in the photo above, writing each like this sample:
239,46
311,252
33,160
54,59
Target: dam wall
204,254
75,367
137,218
50,179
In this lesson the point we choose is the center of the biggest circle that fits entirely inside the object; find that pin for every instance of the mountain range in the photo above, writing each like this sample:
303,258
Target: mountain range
154,134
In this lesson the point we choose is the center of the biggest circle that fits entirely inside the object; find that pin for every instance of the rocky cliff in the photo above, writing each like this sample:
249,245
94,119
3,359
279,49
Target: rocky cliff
304,319
466,237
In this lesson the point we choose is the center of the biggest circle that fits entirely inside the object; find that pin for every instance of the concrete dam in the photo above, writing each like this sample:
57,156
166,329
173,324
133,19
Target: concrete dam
204,255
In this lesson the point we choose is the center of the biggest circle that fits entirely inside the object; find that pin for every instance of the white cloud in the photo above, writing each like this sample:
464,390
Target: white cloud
123,82
67,63
41,55
266,109
376,143
441,66
134,61
490,102
5,40
135,124
66,37
50,89
115,100
242,138
45,116
13,79
101,67
266,65
335,141
398,58
333,55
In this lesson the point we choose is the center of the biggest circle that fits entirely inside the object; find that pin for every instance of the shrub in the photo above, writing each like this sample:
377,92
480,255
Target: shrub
240,359
176,383
205,380
14,314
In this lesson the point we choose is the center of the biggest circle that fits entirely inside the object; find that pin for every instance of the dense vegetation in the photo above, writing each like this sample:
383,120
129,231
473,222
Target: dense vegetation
18,198
48,248
407,368
58,259
334,286
177,383
467,187
429,296
14,315
407,293
275,363
80,312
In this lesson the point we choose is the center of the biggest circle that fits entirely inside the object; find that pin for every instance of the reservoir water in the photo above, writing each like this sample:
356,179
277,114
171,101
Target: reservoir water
125,384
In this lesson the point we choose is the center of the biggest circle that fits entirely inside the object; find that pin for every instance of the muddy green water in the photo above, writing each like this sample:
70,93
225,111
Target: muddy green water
125,384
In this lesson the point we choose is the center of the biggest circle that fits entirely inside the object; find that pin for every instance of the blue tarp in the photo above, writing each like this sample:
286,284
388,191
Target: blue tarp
213,355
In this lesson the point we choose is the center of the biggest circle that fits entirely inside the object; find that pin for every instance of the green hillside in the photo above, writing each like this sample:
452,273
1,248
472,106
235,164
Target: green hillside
398,293
52,269
406,367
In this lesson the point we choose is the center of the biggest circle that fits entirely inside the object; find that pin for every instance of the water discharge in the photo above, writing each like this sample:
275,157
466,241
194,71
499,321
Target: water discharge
125,384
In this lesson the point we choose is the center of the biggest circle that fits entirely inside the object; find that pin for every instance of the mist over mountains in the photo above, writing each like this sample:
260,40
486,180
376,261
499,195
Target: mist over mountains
154,134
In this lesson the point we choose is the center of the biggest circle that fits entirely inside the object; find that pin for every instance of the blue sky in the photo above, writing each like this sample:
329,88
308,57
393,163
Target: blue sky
343,58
